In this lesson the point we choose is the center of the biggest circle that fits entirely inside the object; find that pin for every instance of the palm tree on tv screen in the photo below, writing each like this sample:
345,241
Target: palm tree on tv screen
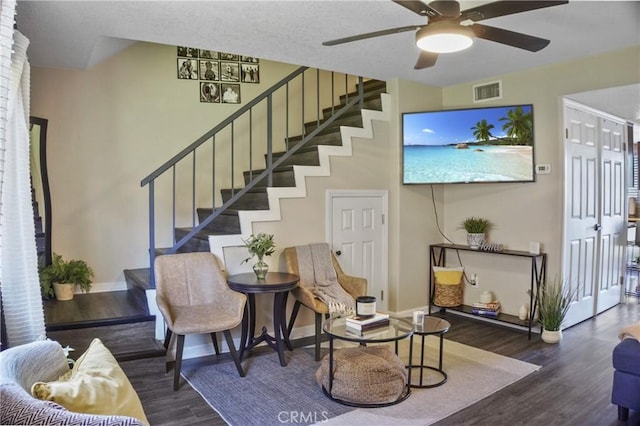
482,130
519,125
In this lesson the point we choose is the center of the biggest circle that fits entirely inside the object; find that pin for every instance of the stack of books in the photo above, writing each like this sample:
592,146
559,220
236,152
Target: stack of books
490,309
361,326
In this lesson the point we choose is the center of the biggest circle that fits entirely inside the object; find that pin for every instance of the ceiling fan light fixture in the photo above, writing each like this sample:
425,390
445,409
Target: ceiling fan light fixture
444,37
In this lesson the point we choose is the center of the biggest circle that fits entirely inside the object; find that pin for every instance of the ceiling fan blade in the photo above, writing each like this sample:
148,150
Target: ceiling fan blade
502,8
418,7
371,35
520,40
426,60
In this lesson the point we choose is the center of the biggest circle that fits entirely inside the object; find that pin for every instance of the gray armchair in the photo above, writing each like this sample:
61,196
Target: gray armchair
193,296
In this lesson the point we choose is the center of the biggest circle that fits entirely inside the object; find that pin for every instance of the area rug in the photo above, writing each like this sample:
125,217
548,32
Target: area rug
273,395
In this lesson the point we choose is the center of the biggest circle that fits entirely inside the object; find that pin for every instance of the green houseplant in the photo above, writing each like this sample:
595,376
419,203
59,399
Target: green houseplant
477,229
260,245
554,300
62,276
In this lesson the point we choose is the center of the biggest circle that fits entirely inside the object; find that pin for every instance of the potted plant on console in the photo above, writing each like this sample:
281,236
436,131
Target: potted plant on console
477,229
260,245
61,278
554,300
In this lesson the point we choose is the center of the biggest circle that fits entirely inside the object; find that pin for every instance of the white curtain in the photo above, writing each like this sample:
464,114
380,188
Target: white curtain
19,283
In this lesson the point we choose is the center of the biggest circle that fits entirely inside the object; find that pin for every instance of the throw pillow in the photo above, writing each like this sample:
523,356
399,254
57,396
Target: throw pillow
96,385
19,408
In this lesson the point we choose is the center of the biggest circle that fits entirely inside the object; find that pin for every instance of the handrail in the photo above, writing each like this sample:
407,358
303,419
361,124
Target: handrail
321,121
179,156
258,178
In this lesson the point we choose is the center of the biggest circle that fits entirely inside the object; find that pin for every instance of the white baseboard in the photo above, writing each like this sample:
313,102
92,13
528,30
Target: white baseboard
104,287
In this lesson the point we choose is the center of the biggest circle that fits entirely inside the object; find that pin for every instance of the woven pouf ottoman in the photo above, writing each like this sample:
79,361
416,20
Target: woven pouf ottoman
364,375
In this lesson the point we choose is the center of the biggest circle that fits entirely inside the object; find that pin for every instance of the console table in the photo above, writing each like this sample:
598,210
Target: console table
279,284
438,254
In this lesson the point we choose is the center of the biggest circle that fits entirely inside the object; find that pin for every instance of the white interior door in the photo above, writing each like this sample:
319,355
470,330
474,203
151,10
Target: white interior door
612,218
580,256
357,233
594,232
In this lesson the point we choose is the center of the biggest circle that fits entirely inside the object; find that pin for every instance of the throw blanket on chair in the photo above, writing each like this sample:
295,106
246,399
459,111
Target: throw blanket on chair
318,275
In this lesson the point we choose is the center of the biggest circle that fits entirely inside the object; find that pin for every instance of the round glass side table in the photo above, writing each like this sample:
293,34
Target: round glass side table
430,326
396,330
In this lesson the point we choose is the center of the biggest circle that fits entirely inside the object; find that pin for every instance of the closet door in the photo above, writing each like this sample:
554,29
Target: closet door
594,231
582,206
612,216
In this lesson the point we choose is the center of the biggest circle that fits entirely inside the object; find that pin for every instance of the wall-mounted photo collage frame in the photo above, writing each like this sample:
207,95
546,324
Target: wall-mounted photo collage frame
220,73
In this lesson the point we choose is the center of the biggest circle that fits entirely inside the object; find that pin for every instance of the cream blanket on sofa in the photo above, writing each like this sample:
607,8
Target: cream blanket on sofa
631,331
318,275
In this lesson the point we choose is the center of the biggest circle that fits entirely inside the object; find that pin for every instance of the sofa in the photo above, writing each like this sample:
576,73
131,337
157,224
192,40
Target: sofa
626,377
95,391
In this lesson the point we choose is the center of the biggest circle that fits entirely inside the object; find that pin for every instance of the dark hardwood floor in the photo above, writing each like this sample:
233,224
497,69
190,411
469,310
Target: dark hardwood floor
573,387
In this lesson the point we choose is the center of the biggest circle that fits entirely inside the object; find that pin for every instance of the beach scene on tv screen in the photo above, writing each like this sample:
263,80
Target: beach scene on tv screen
492,144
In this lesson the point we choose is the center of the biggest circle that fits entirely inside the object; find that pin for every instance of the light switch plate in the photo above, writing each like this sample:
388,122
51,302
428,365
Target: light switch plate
543,169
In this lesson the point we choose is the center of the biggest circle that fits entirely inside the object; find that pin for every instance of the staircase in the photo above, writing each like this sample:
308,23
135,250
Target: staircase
244,206
257,198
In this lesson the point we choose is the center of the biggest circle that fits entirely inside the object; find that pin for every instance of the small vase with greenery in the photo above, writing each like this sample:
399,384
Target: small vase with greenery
71,273
477,229
554,300
260,245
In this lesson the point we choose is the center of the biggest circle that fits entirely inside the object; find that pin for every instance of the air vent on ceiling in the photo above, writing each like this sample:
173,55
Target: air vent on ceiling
487,91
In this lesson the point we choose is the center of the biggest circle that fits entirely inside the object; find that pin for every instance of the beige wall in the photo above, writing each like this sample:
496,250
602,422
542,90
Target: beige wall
528,211
109,127
113,124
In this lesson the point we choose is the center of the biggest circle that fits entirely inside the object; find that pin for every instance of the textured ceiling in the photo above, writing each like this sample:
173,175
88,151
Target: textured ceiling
80,34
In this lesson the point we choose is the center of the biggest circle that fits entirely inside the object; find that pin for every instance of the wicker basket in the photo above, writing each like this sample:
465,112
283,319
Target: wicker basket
448,287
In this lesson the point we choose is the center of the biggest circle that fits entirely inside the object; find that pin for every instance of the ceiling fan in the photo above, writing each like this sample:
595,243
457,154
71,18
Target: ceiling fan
450,30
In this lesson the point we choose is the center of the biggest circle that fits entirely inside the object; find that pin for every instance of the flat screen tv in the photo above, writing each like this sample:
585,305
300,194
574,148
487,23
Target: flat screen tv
473,145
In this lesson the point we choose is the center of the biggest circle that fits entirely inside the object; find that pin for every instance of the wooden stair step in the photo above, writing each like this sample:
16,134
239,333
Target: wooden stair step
199,242
305,156
331,137
282,176
228,222
254,199
140,278
125,341
97,310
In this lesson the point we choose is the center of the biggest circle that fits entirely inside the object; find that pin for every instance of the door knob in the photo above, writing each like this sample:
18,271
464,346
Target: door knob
338,253
597,227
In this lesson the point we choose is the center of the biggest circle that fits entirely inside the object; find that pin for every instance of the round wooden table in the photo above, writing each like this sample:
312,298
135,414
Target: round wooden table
278,283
